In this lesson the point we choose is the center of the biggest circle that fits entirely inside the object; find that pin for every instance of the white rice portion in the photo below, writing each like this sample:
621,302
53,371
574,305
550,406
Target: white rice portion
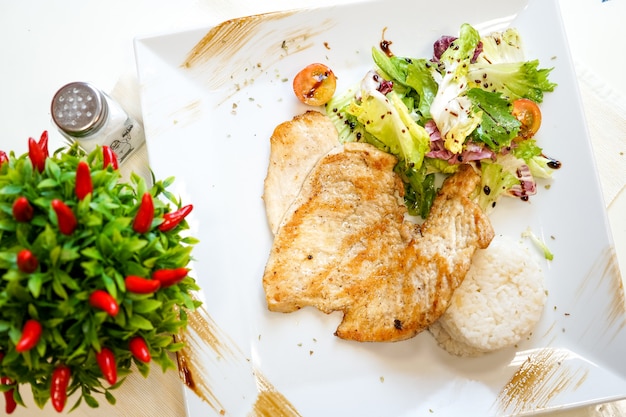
497,305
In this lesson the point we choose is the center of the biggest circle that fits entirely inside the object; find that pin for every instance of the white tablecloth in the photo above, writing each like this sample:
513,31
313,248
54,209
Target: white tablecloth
46,44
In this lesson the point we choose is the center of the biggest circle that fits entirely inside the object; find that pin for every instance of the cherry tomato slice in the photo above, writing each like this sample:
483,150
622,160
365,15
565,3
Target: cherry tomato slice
529,114
315,84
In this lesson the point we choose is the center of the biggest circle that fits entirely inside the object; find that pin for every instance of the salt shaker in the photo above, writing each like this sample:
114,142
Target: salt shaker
88,116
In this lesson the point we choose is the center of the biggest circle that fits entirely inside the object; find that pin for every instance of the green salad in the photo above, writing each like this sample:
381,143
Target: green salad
476,100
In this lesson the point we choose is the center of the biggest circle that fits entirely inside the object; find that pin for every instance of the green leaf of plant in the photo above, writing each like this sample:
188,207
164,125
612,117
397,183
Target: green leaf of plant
34,284
109,397
190,240
119,223
77,353
92,268
144,369
58,288
133,245
109,285
164,360
146,306
11,189
47,183
140,322
7,224
69,254
133,268
40,398
160,341
91,401
105,245
53,169
68,281
32,311
58,338
46,240
92,252
122,318
55,255
175,347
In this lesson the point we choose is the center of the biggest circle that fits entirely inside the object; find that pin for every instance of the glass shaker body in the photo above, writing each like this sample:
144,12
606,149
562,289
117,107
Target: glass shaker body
86,115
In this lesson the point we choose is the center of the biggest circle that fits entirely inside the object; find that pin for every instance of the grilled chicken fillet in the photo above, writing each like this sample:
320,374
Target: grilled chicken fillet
345,245
295,147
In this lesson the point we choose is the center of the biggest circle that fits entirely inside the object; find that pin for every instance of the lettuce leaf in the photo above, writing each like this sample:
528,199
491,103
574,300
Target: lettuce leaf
498,126
451,108
514,80
388,120
412,73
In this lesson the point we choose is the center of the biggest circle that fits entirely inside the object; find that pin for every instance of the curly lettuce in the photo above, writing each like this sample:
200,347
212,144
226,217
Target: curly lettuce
501,47
387,118
451,109
513,79
412,74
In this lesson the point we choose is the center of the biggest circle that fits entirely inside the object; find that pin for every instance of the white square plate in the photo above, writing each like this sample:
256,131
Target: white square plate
211,98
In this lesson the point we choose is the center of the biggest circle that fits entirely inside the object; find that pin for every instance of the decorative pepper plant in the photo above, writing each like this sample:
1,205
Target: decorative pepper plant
93,275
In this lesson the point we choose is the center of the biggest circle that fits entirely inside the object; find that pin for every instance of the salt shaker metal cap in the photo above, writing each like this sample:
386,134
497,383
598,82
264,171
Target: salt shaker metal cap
78,108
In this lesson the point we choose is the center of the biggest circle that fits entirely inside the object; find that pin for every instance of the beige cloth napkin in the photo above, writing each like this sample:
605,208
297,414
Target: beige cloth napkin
605,113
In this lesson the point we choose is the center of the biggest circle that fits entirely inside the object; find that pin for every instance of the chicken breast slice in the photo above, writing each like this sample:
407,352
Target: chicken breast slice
295,147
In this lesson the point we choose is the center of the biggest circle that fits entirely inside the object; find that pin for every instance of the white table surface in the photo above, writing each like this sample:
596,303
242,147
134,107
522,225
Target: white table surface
45,44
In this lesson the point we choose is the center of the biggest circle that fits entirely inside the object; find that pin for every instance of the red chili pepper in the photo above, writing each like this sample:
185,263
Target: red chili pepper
109,157
3,157
84,185
58,386
9,400
169,277
140,285
22,210
106,362
27,261
145,214
104,301
43,143
31,332
139,348
65,216
10,403
36,155
171,220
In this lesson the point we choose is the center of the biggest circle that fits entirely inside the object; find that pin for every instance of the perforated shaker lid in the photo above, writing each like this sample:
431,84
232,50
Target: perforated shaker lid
78,108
